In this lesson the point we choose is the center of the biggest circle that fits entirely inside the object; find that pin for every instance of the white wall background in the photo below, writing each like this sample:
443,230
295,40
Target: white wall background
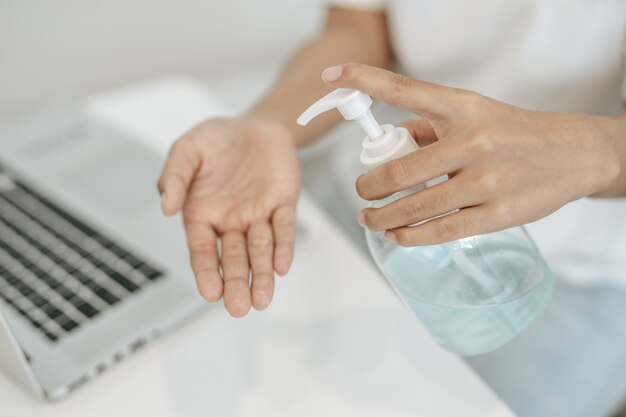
56,49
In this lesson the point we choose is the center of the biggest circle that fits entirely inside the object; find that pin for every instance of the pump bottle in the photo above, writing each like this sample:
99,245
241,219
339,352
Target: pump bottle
474,294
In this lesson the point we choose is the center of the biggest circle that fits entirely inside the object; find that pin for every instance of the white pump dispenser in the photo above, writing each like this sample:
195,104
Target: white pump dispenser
473,294
381,144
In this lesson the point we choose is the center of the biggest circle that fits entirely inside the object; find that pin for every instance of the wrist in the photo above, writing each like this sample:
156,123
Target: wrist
610,132
279,116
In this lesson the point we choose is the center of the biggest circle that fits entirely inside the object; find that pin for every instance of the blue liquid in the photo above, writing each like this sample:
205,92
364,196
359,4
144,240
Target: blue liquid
474,295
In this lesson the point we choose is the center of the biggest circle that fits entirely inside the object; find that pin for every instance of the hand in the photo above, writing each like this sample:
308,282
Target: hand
237,180
507,166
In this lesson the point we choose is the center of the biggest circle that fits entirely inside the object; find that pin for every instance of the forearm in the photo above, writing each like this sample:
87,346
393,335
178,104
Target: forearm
349,36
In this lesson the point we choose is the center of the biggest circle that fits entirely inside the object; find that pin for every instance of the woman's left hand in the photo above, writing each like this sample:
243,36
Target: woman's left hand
507,166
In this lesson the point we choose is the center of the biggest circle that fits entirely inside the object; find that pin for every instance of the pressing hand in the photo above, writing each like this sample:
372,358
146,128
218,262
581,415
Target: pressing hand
507,166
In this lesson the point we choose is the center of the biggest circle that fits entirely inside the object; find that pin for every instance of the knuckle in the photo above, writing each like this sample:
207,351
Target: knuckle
440,200
502,212
282,222
285,240
481,143
445,229
467,226
470,97
261,242
415,208
396,173
201,248
401,82
235,250
405,237
351,71
490,181
471,100
468,102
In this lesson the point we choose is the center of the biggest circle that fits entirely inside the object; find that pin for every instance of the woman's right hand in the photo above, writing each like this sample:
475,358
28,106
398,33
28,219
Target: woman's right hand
236,180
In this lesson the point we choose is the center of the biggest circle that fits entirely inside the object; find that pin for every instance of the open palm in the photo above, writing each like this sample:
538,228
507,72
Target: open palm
236,180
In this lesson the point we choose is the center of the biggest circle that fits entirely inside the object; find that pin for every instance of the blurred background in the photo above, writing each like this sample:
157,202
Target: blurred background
121,41
53,51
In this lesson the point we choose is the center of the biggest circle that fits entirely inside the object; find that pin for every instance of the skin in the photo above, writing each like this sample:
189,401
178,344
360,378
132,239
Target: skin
237,180
507,166
232,184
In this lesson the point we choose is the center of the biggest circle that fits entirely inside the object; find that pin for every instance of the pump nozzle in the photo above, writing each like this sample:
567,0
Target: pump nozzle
382,143
352,104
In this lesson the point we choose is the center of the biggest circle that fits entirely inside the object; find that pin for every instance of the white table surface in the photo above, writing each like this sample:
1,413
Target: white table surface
335,342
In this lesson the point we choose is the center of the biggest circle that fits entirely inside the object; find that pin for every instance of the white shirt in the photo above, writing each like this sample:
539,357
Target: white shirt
559,55
548,55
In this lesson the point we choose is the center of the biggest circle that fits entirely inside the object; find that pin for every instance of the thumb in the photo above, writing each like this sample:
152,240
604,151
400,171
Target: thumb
424,98
178,173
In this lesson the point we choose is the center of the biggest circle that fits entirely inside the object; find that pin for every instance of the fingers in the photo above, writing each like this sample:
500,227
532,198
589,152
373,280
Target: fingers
178,173
467,222
202,243
434,201
260,251
268,248
263,249
421,130
421,97
236,273
410,170
284,226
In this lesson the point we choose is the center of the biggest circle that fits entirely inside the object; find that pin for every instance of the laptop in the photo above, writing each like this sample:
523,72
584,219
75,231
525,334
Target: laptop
90,270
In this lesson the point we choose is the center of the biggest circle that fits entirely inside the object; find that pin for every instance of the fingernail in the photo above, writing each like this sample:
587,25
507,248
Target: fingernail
391,236
361,219
332,74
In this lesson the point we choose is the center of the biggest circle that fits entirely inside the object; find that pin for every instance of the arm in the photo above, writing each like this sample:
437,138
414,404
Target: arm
349,35
236,180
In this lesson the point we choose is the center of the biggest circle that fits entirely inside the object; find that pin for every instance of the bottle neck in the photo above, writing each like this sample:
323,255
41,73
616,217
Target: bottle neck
369,125
394,143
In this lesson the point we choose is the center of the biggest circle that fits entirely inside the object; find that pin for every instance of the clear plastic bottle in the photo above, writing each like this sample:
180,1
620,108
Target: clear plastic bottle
474,294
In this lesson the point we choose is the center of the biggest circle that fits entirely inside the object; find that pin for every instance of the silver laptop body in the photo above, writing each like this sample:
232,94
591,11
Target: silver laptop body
90,270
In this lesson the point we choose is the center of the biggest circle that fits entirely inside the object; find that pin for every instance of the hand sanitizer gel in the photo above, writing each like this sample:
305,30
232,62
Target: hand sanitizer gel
474,294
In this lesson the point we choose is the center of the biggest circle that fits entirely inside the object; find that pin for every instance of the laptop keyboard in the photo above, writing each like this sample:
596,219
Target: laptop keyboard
56,271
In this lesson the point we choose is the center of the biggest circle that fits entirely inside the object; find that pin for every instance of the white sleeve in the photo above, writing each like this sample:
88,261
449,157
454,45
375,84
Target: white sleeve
357,4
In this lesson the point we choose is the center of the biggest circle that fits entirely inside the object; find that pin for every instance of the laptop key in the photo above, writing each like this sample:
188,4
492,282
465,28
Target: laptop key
106,296
66,323
133,260
56,271
150,272
120,279
87,309
69,325
117,250
52,312
51,336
